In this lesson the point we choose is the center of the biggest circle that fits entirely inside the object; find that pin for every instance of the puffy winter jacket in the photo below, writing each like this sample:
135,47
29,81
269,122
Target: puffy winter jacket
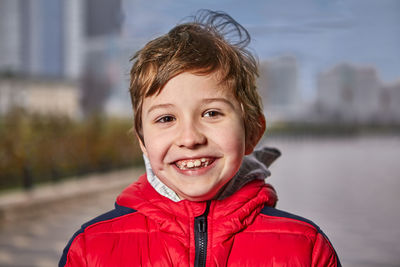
147,229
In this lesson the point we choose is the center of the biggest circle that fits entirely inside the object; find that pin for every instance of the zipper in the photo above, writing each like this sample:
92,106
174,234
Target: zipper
200,237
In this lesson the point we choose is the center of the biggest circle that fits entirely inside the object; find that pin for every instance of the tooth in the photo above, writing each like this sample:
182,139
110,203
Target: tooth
203,160
197,163
190,164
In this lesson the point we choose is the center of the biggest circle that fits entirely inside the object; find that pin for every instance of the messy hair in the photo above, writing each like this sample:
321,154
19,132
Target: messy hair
211,42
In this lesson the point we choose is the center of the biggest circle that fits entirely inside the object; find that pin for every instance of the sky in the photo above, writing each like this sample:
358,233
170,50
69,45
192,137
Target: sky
320,33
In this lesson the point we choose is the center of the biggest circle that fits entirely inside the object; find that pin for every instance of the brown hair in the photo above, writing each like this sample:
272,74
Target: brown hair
212,42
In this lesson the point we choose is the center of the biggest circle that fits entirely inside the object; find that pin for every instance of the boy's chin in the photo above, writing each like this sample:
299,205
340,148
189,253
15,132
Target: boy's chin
201,194
197,196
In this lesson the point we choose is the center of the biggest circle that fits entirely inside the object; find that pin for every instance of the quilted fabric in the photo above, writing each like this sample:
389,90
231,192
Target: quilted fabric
147,229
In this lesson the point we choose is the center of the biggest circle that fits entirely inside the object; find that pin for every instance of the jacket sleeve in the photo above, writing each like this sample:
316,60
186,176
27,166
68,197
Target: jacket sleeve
323,253
74,253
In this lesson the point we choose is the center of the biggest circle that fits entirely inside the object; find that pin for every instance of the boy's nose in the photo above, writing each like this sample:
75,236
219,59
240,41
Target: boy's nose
190,136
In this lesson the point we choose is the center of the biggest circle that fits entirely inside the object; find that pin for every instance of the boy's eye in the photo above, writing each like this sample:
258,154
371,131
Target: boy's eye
165,119
211,113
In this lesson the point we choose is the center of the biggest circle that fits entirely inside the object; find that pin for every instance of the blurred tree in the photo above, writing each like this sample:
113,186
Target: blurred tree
47,148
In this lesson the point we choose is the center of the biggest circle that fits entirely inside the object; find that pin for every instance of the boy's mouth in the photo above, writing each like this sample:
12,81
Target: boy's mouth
191,164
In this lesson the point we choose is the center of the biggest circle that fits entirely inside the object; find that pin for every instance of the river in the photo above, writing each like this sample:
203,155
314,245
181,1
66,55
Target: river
350,187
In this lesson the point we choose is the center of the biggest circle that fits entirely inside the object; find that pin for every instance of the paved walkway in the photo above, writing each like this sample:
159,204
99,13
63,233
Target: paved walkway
35,227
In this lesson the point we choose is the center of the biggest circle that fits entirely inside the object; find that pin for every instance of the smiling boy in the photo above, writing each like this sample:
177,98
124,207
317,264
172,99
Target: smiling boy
194,135
201,201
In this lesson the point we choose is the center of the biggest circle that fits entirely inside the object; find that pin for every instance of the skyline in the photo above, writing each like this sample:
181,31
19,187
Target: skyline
319,33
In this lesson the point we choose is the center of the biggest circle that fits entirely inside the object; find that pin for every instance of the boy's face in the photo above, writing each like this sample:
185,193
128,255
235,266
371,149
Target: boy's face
194,135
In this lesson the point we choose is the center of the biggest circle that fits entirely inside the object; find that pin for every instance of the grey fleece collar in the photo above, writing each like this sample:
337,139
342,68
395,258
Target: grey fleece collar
254,167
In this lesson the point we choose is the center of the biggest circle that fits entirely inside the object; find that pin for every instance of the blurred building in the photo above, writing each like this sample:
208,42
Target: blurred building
102,77
390,100
41,38
40,96
278,86
353,94
74,41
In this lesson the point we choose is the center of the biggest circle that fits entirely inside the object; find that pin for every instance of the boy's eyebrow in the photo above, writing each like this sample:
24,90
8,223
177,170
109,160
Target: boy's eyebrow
159,106
206,101
219,99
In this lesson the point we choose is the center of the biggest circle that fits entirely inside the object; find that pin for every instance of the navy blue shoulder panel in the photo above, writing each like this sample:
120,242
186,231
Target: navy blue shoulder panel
112,214
270,211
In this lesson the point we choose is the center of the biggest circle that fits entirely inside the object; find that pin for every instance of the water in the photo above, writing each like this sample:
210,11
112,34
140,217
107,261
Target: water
350,187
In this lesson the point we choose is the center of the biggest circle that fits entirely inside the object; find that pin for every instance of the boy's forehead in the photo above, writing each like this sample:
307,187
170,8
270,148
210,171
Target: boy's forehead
209,83
205,88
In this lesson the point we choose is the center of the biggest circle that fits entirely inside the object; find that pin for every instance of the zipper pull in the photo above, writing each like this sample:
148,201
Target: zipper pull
201,225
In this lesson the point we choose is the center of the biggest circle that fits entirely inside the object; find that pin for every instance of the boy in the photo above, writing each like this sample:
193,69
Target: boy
197,114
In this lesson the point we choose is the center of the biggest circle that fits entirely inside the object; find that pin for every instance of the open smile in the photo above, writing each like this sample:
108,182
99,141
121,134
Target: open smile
193,164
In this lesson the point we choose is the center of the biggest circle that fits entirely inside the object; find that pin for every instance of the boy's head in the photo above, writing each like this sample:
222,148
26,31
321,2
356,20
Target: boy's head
197,111
213,42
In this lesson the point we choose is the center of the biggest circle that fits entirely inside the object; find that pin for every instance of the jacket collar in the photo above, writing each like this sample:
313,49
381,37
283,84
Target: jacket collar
226,217
242,205
235,207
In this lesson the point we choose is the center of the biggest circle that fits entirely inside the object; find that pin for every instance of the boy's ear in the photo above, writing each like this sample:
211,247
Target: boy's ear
252,142
142,147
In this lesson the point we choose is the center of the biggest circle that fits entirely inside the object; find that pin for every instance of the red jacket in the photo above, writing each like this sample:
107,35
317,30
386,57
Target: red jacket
147,229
